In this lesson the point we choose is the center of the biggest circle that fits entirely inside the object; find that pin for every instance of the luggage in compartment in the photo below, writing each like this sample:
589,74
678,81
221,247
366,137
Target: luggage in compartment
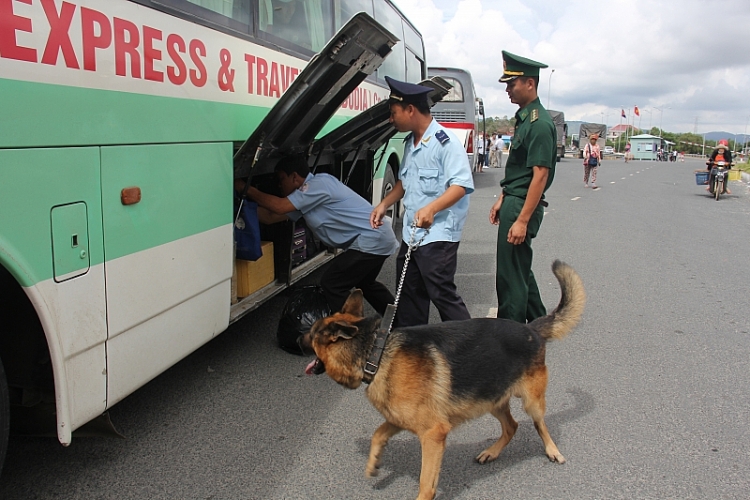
299,246
254,275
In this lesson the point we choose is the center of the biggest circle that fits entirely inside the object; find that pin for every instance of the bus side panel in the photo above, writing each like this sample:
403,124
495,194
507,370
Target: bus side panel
394,148
36,183
168,257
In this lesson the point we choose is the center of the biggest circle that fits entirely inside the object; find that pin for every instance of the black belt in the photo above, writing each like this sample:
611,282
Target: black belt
541,202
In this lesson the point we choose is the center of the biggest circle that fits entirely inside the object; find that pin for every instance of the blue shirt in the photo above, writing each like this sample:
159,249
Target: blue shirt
339,217
427,170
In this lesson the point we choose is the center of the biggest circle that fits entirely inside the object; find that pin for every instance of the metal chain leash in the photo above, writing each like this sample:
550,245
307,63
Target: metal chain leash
412,246
381,335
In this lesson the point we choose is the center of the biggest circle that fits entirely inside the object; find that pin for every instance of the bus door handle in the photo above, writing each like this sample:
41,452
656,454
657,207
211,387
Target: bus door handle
130,195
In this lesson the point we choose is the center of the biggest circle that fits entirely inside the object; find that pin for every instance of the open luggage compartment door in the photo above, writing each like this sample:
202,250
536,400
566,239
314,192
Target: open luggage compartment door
356,51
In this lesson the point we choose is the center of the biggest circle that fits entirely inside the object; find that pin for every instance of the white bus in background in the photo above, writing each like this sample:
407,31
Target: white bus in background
122,126
461,110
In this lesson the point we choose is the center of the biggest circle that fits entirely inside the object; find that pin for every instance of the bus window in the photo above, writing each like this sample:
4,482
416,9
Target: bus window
413,41
456,94
345,9
302,22
414,68
393,65
235,14
235,9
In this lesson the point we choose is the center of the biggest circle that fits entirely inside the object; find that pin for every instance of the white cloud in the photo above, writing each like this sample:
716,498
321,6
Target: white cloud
688,58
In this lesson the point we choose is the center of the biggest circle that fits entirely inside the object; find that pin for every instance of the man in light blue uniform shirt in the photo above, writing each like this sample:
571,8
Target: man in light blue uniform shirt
434,182
340,218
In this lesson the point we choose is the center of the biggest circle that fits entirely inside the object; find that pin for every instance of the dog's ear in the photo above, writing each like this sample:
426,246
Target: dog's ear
343,330
353,304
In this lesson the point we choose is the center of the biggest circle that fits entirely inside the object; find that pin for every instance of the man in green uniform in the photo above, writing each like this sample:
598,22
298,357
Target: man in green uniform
518,212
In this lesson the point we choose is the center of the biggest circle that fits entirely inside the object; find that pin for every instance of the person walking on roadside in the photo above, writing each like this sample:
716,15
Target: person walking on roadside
434,181
480,153
529,171
493,151
499,145
592,157
627,152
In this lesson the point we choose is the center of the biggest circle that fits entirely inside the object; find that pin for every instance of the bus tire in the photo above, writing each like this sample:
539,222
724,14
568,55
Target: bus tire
4,415
389,181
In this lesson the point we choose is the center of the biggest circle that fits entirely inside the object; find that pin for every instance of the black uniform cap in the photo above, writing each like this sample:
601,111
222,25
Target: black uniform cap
407,93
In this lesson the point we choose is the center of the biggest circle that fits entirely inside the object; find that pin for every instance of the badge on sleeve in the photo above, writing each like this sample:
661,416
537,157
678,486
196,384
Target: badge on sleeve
534,115
441,136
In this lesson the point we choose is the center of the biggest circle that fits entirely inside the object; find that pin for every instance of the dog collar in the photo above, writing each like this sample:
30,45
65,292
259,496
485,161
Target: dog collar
381,336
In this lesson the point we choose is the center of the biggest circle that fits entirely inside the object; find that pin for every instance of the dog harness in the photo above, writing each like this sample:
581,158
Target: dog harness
381,334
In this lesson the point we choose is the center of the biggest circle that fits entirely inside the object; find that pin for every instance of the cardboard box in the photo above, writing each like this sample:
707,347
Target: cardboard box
254,275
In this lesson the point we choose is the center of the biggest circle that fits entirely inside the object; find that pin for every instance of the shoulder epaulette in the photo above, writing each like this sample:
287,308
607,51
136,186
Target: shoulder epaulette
441,136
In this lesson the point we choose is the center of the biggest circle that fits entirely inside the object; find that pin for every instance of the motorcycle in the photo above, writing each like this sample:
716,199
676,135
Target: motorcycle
720,175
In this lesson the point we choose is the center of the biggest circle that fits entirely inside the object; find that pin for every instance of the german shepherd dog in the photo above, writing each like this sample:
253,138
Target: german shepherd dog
434,377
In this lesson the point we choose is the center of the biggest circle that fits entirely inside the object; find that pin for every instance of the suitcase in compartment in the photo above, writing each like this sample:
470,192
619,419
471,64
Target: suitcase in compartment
299,246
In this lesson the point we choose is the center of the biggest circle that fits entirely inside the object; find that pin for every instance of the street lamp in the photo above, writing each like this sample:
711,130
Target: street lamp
660,117
549,87
650,115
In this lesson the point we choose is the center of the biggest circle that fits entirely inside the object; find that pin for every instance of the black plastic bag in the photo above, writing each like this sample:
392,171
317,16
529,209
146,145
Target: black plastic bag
306,305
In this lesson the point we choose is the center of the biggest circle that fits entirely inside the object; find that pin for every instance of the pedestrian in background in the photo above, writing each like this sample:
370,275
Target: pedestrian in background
627,152
493,150
519,210
592,157
435,181
487,145
480,153
499,146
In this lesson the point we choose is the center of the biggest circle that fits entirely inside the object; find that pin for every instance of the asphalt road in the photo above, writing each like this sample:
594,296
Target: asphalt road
648,399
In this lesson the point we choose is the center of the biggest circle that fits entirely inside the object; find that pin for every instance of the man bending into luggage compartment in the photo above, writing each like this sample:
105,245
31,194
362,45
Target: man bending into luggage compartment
340,218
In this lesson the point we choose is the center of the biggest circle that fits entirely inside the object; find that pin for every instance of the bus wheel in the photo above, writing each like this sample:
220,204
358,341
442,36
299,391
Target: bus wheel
4,415
389,181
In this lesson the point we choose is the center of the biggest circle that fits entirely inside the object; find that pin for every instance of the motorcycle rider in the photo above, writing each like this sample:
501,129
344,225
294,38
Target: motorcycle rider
721,153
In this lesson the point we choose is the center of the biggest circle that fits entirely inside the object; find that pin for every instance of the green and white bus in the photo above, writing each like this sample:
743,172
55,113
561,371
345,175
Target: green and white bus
122,126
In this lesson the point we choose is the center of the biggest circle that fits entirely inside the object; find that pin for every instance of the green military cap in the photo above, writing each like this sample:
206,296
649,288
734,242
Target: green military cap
515,66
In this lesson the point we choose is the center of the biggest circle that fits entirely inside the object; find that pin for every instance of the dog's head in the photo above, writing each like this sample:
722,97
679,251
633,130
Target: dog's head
331,339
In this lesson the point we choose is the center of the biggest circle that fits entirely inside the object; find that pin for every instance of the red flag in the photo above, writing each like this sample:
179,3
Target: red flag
637,113
623,114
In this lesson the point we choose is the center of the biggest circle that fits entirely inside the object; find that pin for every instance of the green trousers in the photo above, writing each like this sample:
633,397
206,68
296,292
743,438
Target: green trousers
517,292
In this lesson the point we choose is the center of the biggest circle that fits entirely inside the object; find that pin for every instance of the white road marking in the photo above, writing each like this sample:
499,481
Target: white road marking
576,198
612,182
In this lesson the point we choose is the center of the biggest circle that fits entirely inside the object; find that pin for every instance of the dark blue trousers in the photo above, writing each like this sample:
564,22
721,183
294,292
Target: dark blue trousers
429,278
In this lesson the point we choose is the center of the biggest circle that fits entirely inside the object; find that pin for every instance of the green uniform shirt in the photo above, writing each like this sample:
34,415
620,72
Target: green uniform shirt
534,144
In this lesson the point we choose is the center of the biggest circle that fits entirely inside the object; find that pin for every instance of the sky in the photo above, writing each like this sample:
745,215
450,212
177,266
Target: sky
684,63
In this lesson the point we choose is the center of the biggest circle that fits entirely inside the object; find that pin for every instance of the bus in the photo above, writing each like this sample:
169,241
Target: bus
123,126
461,110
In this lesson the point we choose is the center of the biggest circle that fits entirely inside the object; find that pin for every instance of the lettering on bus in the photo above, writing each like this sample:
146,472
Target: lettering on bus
139,51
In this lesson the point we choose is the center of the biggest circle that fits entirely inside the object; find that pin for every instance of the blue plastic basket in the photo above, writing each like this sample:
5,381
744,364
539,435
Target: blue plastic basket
701,177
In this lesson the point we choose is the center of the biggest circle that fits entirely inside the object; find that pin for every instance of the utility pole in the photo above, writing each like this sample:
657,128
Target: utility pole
660,118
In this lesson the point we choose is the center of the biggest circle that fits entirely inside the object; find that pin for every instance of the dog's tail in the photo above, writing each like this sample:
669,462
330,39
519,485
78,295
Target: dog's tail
557,324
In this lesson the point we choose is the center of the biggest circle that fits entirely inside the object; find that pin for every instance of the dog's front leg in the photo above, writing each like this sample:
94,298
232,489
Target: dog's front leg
433,447
379,439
